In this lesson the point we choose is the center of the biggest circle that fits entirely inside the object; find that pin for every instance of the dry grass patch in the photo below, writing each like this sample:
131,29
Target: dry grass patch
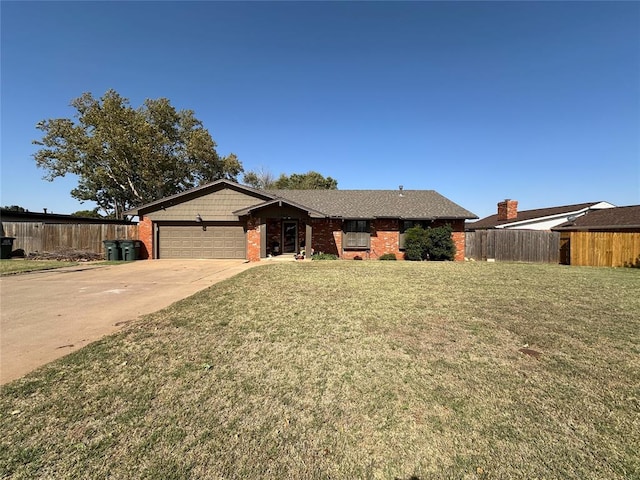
350,370
9,267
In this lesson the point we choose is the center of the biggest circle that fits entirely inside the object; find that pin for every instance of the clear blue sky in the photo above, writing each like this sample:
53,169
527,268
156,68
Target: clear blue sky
481,101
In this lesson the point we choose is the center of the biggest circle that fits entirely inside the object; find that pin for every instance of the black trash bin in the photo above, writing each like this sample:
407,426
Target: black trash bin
112,250
130,249
7,247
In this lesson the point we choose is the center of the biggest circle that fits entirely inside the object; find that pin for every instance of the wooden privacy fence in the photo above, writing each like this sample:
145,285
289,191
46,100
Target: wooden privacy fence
50,237
603,249
513,245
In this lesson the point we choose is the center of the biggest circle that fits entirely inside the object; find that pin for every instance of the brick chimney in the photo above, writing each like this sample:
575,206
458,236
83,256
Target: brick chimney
507,210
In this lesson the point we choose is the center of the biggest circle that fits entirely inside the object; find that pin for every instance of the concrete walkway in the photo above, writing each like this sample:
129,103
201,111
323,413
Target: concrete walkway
48,314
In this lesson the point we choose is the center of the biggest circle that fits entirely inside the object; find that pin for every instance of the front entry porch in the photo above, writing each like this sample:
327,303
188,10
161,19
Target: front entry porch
278,227
285,236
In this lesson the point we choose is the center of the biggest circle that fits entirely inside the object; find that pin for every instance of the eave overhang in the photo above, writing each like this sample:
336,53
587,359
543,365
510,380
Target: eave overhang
587,228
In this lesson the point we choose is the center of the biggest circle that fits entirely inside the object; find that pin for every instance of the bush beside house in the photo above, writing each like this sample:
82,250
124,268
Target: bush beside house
429,244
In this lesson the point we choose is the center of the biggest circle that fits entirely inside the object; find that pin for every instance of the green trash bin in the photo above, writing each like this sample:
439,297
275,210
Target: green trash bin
111,250
7,247
130,249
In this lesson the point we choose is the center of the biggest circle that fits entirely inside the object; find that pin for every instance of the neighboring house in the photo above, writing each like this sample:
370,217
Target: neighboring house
8,215
609,237
618,219
508,216
226,220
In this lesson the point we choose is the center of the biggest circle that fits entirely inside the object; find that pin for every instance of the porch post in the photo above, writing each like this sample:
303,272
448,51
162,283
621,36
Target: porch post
307,239
263,239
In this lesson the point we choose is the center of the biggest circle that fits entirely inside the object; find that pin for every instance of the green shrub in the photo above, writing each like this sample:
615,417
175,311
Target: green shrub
324,256
430,244
415,243
441,245
387,256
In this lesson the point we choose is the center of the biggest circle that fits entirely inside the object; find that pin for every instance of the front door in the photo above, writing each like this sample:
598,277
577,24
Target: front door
289,237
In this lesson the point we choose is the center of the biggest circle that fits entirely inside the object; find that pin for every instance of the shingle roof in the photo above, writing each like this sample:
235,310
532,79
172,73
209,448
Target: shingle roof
492,220
618,218
409,204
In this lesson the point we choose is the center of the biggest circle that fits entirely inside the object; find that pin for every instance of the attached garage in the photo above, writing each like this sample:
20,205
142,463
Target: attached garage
202,241
199,223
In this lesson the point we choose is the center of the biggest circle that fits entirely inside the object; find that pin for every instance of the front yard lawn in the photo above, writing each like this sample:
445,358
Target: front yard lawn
395,370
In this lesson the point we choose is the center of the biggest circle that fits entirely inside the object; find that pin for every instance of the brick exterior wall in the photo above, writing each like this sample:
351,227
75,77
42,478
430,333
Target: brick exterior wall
352,254
145,235
385,236
326,236
253,239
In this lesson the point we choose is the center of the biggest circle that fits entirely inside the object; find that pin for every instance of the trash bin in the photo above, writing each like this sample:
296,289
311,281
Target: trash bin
111,250
130,249
7,247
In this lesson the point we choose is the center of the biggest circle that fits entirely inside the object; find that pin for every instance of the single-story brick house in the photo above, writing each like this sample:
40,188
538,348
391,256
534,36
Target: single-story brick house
224,219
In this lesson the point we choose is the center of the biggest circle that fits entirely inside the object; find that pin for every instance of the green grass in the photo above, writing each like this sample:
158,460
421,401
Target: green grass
338,370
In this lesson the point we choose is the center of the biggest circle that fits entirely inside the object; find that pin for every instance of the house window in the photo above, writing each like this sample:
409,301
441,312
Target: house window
356,234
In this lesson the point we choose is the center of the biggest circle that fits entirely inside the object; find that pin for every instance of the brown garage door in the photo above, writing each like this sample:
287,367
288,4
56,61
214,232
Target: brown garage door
217,241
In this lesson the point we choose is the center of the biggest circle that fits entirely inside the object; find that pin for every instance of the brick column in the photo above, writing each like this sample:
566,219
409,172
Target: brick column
145,235
253,239
459,239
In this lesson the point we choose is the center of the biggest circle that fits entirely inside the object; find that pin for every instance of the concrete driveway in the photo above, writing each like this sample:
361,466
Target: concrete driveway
45,315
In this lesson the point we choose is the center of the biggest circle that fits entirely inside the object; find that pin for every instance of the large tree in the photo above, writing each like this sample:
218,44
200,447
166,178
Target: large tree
87,213
265,180
15,208
261,178
306,181
125,156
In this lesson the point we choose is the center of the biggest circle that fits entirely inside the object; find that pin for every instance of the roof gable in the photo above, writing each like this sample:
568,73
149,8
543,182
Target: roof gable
196,192
278,202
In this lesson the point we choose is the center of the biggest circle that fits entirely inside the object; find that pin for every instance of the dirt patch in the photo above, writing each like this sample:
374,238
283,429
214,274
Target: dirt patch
532,353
